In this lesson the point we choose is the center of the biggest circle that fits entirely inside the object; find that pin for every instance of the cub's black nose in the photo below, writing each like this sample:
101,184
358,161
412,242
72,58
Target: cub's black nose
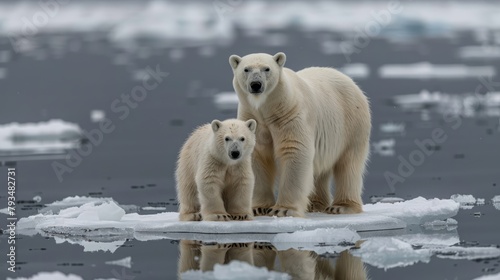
235,154
256,86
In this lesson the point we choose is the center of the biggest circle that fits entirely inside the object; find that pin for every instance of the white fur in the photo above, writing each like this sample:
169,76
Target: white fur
210,184
313,124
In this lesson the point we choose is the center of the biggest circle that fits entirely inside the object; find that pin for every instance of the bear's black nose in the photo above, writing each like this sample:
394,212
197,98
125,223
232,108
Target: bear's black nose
235,154
256,86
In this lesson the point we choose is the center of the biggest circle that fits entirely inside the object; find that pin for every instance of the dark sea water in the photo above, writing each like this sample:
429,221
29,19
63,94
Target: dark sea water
135,163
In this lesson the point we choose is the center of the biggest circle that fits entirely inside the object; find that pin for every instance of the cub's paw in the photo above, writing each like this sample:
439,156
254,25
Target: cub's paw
242,217
260,211
280,211
216,217
343,209
190,217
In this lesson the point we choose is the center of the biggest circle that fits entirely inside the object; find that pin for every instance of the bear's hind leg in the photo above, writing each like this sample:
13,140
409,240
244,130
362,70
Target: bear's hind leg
348,173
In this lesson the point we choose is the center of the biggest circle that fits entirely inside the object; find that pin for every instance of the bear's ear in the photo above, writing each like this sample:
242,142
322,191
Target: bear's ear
234,60
216,124
280,58
252,125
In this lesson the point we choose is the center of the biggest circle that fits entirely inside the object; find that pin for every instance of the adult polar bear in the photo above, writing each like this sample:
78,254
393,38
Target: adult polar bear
313,124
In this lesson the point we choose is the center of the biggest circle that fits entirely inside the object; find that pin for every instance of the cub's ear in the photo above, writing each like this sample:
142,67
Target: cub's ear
216,124
280,58
234,60
252,125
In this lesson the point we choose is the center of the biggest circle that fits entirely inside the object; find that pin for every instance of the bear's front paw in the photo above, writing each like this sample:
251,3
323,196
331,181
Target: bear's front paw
216,217
343,209
260,211
280,211
190,217
242,217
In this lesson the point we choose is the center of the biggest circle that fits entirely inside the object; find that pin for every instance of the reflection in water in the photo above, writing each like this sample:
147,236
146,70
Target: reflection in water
195,255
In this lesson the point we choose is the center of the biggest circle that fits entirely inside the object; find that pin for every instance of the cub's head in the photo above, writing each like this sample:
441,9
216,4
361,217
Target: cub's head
234,139
257,74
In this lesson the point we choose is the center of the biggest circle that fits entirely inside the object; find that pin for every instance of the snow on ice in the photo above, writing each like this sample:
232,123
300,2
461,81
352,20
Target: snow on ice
489,277
235,270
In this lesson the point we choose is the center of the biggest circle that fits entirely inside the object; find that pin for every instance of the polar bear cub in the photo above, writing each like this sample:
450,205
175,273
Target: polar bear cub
314,124
214,173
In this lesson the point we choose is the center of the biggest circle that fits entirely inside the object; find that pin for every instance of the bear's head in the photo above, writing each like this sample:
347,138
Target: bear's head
257,74
234,140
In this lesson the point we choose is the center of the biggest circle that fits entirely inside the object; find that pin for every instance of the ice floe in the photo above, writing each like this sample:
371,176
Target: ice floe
49,276
97,115
466,201
479,52
304,240
467,253
390,252
386,199
235,270
51,136
496,202
449,223
356,70
426,70
489,277
125,262
384,147
390,127
464,105
95,219
226,101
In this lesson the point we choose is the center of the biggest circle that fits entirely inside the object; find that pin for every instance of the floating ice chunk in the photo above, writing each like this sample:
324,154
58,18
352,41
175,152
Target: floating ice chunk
388,252
37,198
97,115
235,270
306,239
106,245
416,211
496,199
150,208
426,70
356,70
226,101
386,199
480,201
43,136
49,276
441,224
392,127
384,147
467,253
125,262
466,201
489,277
479,52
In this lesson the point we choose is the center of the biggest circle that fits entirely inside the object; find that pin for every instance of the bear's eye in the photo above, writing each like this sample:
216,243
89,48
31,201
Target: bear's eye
246,70
227,139
267,69
242,139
